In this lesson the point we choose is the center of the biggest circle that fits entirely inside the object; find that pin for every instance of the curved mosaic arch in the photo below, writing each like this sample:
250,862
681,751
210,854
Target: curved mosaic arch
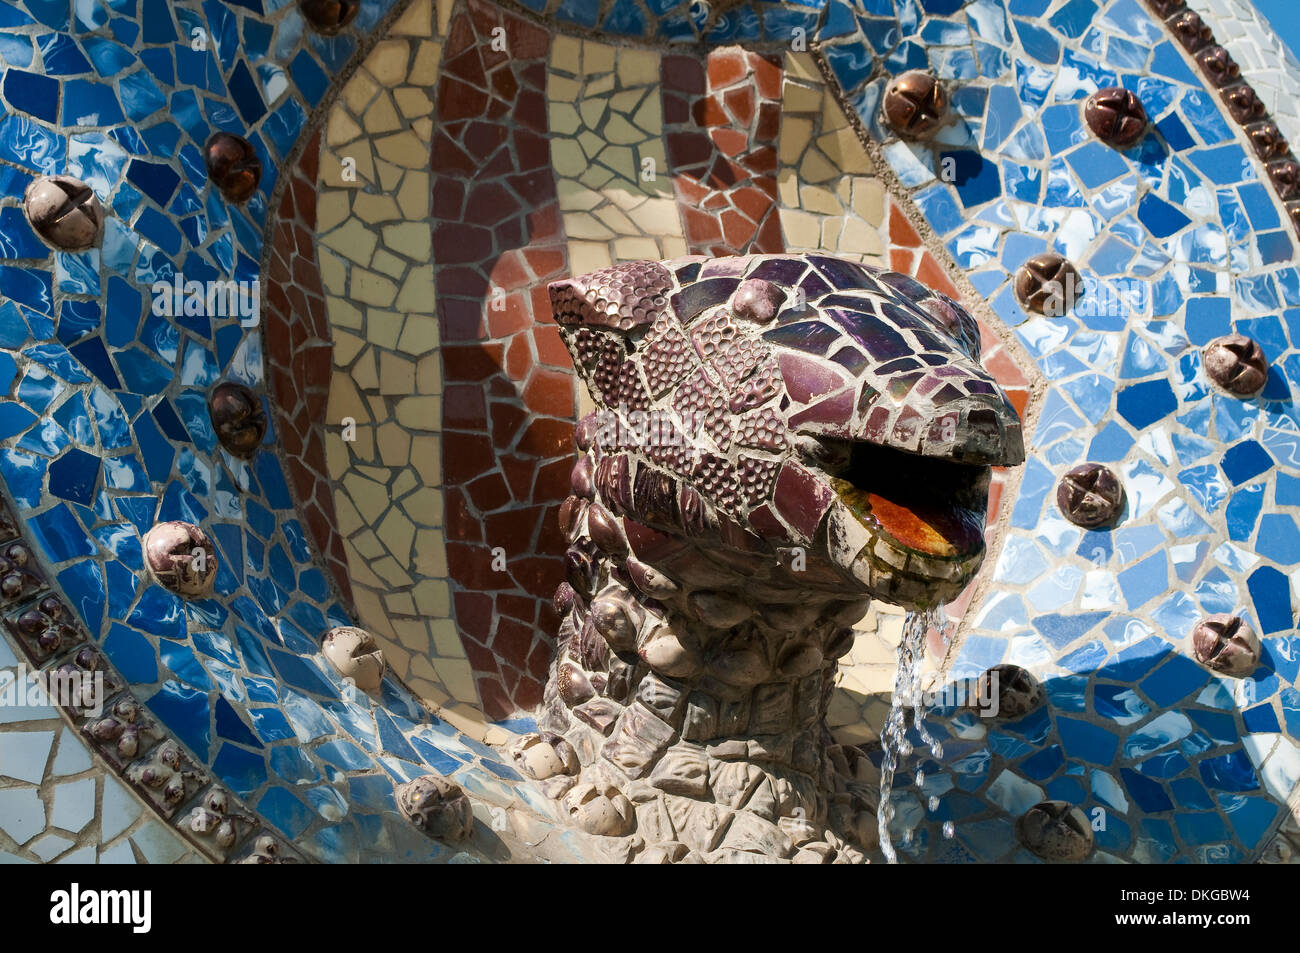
74,353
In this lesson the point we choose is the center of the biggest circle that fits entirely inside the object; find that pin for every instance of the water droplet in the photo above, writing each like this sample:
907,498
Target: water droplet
920,777
948,830
933,803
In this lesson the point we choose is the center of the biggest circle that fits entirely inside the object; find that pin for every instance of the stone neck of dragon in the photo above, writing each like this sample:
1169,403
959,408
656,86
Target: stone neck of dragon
779,439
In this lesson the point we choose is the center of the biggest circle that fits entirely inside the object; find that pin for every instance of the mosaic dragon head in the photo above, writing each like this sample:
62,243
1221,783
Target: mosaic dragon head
778,440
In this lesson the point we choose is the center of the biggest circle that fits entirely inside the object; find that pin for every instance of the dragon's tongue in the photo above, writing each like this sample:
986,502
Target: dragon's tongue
935,531
917,523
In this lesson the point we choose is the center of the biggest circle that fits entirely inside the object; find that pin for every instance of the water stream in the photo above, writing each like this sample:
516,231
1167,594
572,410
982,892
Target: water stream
893,737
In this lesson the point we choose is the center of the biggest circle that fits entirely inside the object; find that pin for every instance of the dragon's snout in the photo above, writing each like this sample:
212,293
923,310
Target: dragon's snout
812,400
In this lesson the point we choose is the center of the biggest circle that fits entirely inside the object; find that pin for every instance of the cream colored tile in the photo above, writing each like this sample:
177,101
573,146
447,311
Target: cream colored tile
815,198
387,62
869,200
583,225
638,67
381,116
446,640
358,93
364,374
433,598
636,249
370,288
340,130
567,157
426,457
401,603
419,336
352,240
796,131
424,71
420,413
332,207
428,375
424,506
649,117
416,21
814,168
430,553
385,262
411,239
369,497
614,220
397,533
404,149
844,150
391,571
802,231
383,327
406,482
597,57
563,119
414,196
417,296
333,272
344,401
588,256
396,374
566,56
373,208
621,132
346,517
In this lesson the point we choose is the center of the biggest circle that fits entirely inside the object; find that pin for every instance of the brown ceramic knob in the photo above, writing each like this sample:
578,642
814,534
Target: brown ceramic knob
237,418
1048,284
1219,67
64,211
1226,644
1116,116
1244,105
1015,691
1285,176
1192,32
1056,831
1268,141
1237,364
181,557
1090,496
329,16
233,166
915,104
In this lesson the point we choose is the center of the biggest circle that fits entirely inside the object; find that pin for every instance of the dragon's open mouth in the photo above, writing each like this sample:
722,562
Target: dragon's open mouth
911,528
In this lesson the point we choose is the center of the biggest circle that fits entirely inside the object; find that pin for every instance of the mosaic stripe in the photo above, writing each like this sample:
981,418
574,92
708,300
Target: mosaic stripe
509,401
607,147
722,119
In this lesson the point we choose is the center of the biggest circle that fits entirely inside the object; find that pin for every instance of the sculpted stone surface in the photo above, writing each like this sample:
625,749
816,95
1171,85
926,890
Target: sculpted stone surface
1056,831
436,806
355,654
778,440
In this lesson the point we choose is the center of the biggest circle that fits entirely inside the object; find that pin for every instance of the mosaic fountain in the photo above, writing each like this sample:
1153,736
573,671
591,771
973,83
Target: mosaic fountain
604,430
